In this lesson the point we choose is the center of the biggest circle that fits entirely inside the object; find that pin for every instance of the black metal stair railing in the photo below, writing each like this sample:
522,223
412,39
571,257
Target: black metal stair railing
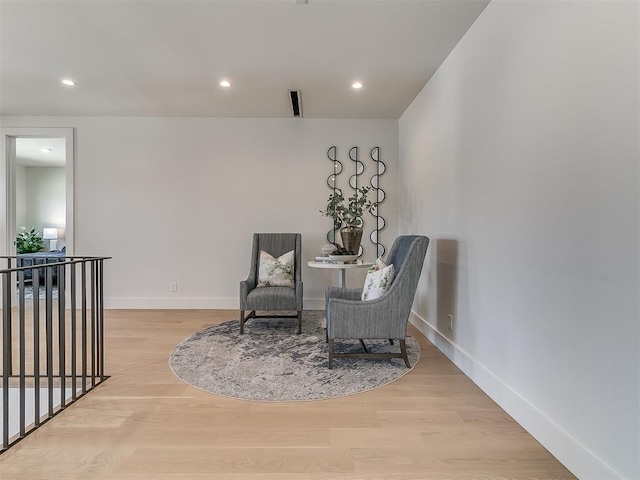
51,338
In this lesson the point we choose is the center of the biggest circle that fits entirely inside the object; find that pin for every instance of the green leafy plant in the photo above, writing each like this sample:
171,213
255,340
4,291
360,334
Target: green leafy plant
29,241
348,212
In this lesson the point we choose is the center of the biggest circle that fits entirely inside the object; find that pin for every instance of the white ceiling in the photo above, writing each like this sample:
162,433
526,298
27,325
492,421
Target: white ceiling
165,58
30,154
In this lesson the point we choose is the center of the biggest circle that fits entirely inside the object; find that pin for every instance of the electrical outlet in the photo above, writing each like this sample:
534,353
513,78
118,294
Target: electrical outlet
450,322
173,287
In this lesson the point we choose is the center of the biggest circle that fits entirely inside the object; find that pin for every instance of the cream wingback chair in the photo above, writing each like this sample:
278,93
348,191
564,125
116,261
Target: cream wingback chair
386,317
254,297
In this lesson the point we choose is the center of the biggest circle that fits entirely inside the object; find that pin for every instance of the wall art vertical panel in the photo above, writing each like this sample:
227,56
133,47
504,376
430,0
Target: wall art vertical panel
379,197
332,182
353,182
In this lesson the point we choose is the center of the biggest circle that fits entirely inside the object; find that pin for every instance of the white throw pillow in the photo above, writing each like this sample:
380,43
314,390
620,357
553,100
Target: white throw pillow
276,272
379,279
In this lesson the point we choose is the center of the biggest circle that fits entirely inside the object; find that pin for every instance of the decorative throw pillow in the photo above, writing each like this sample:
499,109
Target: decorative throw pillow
276,272
378,281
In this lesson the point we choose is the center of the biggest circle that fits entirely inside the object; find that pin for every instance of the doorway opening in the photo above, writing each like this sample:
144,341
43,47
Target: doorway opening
40,200
38,166
38,218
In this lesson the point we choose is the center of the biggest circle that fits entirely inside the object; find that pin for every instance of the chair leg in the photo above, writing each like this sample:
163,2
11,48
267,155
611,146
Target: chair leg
403,350
299,322
331,354
244,319
364,347
326,330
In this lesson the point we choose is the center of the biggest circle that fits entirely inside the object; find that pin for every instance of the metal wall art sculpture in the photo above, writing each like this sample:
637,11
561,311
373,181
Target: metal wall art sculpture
332,182
354,182
379,195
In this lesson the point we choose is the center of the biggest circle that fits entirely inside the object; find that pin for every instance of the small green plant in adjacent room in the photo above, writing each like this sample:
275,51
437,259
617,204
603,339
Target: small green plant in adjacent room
29,241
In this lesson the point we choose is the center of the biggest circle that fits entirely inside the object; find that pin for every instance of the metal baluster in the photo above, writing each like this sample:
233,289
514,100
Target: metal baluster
101,315
6,355
21,348
62,332
49,334
93,324
35,285
72,271
84,327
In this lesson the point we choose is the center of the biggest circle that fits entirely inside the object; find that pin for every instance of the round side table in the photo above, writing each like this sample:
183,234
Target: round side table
341,268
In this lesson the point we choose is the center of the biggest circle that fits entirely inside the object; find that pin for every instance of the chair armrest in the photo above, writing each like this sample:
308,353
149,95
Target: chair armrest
249,284
376,318
245,287
343,293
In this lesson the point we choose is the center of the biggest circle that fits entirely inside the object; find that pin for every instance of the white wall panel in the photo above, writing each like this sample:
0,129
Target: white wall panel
520,161
178,199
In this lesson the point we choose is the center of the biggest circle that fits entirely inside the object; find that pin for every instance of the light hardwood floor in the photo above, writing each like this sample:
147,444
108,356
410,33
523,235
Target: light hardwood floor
144,423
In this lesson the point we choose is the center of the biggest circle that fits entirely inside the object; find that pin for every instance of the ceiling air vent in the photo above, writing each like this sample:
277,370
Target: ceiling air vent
296,103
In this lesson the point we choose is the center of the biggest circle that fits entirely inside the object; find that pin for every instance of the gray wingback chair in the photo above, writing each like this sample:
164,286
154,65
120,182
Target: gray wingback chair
272,298
386,317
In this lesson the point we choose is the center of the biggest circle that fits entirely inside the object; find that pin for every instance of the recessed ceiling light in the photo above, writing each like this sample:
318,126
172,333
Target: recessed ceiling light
68,82
46,149
225,83
356,85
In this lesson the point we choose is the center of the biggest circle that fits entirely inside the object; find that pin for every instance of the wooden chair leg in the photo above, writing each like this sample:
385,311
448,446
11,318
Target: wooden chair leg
243,319
331,354
403,350
299,322
326,330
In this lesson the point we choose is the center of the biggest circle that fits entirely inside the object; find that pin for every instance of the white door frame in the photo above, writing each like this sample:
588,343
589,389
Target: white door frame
8,137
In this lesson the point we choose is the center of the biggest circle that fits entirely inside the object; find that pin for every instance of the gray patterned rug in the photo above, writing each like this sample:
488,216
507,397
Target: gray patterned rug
271,363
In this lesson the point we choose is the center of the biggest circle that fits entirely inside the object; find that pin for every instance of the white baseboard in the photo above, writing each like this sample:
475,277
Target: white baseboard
171,303
572,454
185,303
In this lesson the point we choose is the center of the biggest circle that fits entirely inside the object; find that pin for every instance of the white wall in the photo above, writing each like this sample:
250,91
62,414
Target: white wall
40,198
520,161
178,199
45,197
21,196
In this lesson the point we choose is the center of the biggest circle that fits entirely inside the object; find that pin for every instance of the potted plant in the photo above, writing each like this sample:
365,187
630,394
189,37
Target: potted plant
347,216
29,241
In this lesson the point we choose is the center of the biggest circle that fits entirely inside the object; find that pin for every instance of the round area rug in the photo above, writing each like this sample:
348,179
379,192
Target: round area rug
271,363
